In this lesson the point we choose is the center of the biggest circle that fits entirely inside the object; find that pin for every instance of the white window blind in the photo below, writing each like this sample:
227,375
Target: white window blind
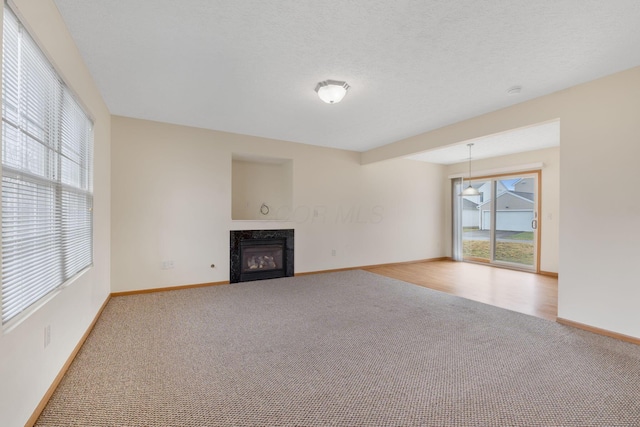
47,189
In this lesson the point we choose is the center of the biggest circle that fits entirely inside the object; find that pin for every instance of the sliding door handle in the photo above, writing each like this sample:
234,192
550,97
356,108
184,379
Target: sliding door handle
534,224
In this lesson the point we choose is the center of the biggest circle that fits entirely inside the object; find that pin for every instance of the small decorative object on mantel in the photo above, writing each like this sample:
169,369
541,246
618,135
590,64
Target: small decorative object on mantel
264,209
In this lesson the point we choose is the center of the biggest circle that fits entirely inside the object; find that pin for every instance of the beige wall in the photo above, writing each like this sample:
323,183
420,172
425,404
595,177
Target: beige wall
550,192
27,369
599,134
172,202
255,184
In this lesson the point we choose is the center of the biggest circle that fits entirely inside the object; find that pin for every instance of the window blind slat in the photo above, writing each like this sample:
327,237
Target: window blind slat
47,149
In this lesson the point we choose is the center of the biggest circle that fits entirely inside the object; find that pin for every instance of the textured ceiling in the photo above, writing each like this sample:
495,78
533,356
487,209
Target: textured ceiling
250,66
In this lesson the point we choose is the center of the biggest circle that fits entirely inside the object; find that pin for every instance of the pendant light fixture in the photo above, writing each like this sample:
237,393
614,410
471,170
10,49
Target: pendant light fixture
332,91
469,191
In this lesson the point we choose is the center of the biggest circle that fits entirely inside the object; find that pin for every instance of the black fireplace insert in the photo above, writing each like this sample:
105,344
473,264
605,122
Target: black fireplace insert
261,254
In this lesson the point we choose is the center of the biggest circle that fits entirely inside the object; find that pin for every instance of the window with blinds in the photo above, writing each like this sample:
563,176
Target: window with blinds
47,189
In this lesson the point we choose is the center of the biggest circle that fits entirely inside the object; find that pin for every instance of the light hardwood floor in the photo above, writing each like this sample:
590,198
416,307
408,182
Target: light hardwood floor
527,293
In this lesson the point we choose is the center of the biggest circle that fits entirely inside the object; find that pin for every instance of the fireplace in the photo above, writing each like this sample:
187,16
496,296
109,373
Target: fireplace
260,254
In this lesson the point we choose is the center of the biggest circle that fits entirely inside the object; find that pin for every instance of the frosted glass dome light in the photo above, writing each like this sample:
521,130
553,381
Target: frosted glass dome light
332,91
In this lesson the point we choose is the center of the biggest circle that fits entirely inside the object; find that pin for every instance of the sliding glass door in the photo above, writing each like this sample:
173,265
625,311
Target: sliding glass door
500,225
476,224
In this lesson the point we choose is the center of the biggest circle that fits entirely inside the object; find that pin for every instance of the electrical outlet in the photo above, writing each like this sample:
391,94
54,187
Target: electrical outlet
166,265
47,336
333,252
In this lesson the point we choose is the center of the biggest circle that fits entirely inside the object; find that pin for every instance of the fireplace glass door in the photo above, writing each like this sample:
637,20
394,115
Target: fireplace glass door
262,258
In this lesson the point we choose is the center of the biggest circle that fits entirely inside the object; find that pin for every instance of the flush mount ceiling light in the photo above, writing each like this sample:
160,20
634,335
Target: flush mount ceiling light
332,91
469,191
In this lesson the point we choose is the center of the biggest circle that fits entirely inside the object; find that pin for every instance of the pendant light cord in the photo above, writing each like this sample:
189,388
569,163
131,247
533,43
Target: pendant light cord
470,145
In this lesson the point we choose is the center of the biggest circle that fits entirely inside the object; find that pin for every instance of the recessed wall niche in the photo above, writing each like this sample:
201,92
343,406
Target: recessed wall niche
261,188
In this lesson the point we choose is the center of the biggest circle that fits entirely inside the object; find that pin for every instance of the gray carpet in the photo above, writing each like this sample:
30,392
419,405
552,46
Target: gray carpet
340,349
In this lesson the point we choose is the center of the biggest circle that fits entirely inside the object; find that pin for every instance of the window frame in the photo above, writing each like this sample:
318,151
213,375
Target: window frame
65,149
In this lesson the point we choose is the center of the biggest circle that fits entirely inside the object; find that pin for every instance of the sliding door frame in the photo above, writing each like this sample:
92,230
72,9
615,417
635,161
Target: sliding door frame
537,217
